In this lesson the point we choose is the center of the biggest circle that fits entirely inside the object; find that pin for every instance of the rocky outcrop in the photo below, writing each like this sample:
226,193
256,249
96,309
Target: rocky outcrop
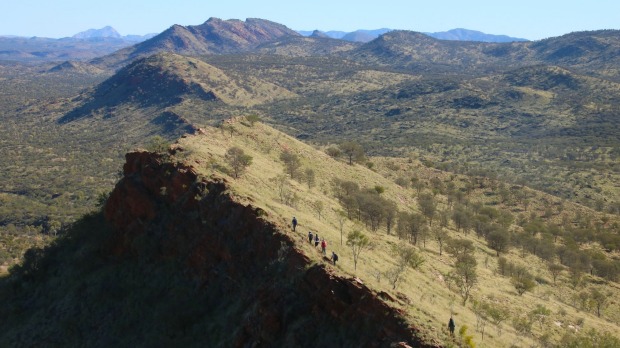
272,294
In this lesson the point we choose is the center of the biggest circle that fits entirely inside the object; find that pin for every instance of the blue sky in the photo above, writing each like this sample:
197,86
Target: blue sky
530,19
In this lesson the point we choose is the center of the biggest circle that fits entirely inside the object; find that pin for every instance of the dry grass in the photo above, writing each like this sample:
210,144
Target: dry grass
431,300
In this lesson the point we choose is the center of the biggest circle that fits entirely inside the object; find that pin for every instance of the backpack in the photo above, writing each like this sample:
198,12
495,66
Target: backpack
335,257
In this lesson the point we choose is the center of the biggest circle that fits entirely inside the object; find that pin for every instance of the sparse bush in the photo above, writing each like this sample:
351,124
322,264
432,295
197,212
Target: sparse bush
402,182
523,282
333,151
252,118
158,144
589,339
466,340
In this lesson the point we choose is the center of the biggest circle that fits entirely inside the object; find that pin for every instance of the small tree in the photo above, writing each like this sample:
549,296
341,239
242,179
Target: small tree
291,162
599,300
441,236
318,207
555,270
523,282
282,186
238,160
428,206
540,314
410,226
464,275
406,256
502,265
444,217
417,184
480,310
353,151
342,217
498,240
583,299
390,211
497,314
461,217
458,247
310,178
357,241
370,208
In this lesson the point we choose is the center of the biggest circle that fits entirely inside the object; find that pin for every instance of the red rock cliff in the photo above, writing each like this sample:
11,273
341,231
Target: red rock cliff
272,294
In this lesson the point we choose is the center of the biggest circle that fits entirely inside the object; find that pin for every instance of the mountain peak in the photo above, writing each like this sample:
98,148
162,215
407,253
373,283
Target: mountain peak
106,31
215,36
320,34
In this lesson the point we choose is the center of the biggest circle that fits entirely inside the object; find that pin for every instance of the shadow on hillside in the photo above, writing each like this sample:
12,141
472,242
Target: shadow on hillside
71,294
151,89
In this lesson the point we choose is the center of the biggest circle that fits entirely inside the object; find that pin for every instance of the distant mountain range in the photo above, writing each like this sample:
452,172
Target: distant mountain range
82,46
458,34
110,32
461,34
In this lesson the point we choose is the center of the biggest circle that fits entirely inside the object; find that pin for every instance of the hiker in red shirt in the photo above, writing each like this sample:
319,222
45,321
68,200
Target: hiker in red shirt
323,246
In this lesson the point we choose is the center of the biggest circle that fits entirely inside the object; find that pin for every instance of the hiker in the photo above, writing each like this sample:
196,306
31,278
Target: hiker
451,326
294,223
310,237
323,246
334,258
316,240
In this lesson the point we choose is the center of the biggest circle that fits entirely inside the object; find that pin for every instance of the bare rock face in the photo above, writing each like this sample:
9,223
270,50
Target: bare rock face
270,292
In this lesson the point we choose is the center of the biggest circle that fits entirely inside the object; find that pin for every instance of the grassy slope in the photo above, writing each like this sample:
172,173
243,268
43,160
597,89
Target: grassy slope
432,302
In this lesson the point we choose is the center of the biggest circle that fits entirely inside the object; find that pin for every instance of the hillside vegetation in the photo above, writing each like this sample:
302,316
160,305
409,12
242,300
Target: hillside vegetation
516,300
495,163
427,294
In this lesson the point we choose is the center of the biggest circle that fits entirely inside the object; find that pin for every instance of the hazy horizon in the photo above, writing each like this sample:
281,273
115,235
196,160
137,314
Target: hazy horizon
527,19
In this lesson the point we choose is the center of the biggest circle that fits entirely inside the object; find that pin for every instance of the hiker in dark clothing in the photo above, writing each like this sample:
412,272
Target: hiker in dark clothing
334,258
294,223
316,240
451,326
310,237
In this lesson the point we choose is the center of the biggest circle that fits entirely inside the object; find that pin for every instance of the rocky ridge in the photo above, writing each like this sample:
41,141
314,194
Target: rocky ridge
237,253
215,36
